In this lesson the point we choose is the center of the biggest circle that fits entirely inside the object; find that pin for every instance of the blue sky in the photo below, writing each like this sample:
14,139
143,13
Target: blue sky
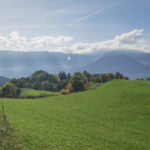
70,23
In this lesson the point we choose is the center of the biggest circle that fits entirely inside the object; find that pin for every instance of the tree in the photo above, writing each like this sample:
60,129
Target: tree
69,77
52,78
36,85
62,76
18,82
87,75
77,83
10,90
46,85
67,90
61,85
118,75
28,85
40,76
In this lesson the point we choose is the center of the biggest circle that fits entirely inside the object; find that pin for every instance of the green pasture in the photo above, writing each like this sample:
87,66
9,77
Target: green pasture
114,116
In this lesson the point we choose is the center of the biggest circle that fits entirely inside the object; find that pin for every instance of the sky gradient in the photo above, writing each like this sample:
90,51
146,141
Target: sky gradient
74,26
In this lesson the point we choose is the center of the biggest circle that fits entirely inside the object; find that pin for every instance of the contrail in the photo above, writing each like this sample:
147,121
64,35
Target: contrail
93,14
86,17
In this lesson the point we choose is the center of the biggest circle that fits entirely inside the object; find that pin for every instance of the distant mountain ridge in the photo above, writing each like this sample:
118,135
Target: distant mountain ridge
21,64
126,63
3,80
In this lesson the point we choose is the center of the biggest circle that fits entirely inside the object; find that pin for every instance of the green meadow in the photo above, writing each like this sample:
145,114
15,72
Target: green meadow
114,116
26,92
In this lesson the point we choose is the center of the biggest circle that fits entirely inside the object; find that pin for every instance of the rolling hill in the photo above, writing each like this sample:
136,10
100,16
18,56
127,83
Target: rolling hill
115,116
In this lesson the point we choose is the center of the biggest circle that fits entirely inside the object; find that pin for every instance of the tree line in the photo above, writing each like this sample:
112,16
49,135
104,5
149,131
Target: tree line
65,82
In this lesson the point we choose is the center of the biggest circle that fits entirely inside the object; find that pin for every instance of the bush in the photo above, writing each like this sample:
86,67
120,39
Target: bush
140,79
10,90
118,75
148,78
126,78
63,92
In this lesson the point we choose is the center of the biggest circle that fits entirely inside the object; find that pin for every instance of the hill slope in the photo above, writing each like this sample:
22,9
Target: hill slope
115,116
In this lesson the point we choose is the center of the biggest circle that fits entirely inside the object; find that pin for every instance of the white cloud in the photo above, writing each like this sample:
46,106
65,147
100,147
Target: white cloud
127,41
15,42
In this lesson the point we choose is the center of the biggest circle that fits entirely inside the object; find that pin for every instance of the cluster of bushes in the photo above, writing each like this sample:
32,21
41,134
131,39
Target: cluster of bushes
102,78
139,78
41,80
9,90
148,78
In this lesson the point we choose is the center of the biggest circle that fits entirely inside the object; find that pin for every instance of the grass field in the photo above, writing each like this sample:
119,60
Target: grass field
114,116
26,92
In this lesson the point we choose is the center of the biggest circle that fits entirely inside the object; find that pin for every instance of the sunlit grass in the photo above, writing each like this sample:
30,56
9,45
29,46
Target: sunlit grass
114,116
26,92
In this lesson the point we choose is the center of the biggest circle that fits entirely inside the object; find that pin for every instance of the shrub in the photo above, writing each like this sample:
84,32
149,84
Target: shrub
126,78
63,92
148,78
140,79
10,90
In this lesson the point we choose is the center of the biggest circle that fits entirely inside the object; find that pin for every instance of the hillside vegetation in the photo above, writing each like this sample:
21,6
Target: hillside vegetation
114,116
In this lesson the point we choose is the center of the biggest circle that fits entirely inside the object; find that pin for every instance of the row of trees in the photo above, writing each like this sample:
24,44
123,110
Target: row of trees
41,80
80,81
148,78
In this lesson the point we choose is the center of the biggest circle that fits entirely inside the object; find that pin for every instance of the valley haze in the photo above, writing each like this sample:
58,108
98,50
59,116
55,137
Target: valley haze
134,64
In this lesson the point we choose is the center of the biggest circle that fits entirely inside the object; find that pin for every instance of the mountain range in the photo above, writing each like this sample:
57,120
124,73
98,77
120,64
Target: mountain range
3,80
134,64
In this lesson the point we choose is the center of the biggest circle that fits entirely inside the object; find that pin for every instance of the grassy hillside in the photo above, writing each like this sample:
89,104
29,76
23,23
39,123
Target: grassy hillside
26,92
115,116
